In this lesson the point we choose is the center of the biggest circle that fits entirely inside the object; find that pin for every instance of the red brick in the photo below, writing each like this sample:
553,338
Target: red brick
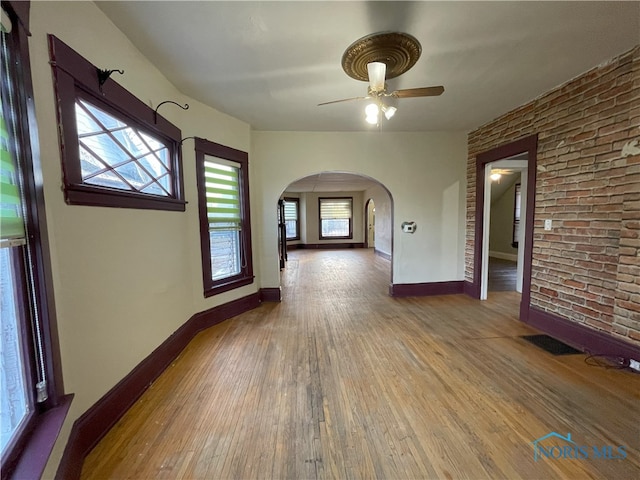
574,284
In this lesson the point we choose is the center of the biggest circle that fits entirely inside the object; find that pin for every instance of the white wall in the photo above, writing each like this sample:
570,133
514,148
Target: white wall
424,172
312,215
124,279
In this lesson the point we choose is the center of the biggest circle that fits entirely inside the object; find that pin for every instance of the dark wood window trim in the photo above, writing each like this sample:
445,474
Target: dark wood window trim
297,202
75,77
245,277
347,237
29,454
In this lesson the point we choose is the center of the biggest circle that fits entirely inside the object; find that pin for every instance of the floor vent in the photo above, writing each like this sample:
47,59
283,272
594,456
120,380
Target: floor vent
551,345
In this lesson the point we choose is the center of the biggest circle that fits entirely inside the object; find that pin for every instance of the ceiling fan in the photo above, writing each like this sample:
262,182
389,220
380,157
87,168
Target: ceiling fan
376,58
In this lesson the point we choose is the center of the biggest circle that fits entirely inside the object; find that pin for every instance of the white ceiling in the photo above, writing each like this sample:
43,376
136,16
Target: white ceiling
270,63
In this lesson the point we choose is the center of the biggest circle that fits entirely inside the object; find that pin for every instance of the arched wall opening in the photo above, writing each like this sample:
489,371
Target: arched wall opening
305,193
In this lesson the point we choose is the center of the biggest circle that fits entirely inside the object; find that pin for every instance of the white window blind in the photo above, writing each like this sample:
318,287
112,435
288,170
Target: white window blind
335,217
222,190
223,193
12,231
291,219
290,210
335,209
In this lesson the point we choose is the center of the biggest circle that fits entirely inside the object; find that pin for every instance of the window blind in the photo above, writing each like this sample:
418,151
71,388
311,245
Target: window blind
12,231
290,210
335,208
222,190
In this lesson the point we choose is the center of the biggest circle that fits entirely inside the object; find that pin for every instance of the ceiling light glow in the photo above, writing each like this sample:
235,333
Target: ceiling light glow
389,111
372,110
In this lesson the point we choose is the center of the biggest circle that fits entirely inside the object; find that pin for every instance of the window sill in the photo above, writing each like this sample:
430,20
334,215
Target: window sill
225,287
39,445
104,197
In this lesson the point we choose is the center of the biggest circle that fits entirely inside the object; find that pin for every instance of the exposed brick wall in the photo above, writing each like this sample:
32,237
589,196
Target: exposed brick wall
626,309
587,269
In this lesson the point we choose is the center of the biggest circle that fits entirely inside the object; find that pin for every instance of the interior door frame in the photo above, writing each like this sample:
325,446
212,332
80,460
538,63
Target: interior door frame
527,145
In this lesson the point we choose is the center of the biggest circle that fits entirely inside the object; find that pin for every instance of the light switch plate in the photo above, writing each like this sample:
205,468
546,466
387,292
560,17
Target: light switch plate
547,224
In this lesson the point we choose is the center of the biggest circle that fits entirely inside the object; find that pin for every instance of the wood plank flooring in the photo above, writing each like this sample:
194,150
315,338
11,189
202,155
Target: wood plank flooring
502,275
341,381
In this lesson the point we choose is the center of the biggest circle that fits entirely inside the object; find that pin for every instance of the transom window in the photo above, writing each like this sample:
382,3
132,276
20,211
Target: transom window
336,218
291,218
116,151
116,155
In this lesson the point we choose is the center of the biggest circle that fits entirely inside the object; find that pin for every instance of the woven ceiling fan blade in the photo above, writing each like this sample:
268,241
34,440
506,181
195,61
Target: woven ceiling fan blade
343,100
377,72
419,92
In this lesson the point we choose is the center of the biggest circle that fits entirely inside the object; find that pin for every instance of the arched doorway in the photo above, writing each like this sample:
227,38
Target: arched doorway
370,227
336,210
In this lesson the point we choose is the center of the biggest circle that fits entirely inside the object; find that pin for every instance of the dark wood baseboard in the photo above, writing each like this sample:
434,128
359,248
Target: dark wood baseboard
471,289
382,254
89,428
302,246
426,289
271,294
583,338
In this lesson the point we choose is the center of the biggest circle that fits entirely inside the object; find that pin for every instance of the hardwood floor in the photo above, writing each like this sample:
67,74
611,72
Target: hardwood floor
342,381
502,275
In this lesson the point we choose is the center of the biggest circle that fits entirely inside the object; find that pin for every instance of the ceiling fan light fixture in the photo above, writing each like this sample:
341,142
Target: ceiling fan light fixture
372,119
372,110
376,76
389,111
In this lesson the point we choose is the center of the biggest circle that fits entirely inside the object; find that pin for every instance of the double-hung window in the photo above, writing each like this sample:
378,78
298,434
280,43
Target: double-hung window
225,223
116,151
336,218
292,218
30,372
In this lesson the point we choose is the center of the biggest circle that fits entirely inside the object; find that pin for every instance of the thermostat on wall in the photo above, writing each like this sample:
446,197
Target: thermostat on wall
409,227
